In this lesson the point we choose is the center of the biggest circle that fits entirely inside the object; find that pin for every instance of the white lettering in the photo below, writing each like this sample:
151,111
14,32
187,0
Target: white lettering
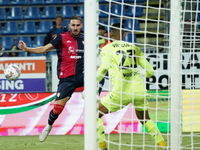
9,84
22,66
29,65
2,84
3,98
12,98
1,67
33,66
6,65
19,85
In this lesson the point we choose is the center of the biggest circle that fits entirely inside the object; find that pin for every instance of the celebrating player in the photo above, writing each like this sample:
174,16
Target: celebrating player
70,52
120,59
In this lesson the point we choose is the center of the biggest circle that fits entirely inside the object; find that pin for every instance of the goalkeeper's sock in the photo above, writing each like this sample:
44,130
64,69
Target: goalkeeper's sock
102,143
54,113
155,133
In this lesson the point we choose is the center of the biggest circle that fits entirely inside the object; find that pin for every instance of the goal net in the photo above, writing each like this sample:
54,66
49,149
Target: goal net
167,33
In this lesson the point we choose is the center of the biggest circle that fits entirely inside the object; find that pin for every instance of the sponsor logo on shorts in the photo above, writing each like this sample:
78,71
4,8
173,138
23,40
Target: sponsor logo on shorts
58,94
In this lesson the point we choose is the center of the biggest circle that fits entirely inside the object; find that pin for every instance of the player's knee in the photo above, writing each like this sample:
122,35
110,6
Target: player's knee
57,109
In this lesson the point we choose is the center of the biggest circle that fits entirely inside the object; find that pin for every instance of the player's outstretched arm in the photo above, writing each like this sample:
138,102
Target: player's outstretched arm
37,50
144,63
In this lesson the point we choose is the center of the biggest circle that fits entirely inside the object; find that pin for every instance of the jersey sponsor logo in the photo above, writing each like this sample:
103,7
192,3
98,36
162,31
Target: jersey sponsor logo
71,50
68,41
76,57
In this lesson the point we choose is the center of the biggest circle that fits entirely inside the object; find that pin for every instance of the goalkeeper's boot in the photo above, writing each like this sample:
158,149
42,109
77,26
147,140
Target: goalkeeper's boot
43,135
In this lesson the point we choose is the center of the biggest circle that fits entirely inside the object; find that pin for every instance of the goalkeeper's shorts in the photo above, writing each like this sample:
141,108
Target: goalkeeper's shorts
113,103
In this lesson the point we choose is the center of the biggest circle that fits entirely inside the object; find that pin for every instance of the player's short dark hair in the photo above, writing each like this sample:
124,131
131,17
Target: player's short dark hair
102,28
75,17
117,25
60,16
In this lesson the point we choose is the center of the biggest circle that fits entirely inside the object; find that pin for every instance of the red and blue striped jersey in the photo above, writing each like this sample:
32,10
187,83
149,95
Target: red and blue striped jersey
70,52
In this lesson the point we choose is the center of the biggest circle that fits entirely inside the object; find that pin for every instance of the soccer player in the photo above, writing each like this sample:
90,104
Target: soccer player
70,52
120,59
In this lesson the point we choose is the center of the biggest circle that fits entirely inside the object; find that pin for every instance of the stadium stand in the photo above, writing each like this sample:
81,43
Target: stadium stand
49,12
112,21
33,54
80,11
2,14
81,1
116,10
38,41
135,11
19,2
26,39
11,28
103,8
15,13
4,2
125,1
83,25
44,27
69,1
52,2
138,1
7,42
32,13
28,27
34,9
129,37
67,11
51,53
66,24
36,2
101,21
128,24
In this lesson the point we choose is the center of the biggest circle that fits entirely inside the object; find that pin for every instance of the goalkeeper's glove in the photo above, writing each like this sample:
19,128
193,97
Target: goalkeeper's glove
142,72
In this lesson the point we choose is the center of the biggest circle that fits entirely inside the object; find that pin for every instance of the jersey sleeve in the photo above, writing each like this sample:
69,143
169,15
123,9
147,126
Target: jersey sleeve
57,41
104,67
143,62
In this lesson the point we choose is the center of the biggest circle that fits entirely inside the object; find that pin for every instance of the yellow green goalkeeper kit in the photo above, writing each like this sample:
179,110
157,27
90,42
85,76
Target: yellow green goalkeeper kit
120,59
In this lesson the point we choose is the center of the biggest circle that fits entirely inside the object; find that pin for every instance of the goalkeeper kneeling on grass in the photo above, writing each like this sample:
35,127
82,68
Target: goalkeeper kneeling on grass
120,59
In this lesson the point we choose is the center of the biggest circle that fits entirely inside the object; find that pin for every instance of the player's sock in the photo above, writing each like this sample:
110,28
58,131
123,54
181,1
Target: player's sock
54,113
102,143
155,133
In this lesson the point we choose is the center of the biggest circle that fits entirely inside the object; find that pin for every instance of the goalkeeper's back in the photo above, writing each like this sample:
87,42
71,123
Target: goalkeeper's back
121,59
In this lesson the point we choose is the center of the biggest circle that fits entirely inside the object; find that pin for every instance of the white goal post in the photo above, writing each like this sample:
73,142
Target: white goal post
178,77
90,86
175,50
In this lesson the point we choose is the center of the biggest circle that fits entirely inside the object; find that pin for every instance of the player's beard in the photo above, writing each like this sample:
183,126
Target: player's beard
75,35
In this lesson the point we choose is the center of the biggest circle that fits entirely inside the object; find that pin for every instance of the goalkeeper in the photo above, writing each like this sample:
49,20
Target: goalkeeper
120,59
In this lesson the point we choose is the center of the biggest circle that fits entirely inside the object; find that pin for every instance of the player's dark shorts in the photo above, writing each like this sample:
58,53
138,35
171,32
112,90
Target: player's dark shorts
68,85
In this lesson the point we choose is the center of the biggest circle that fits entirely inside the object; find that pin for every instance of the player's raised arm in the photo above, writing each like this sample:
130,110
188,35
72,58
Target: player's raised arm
37,50
144,63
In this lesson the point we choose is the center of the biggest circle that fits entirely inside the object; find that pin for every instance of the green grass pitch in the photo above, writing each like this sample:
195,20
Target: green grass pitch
76,142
